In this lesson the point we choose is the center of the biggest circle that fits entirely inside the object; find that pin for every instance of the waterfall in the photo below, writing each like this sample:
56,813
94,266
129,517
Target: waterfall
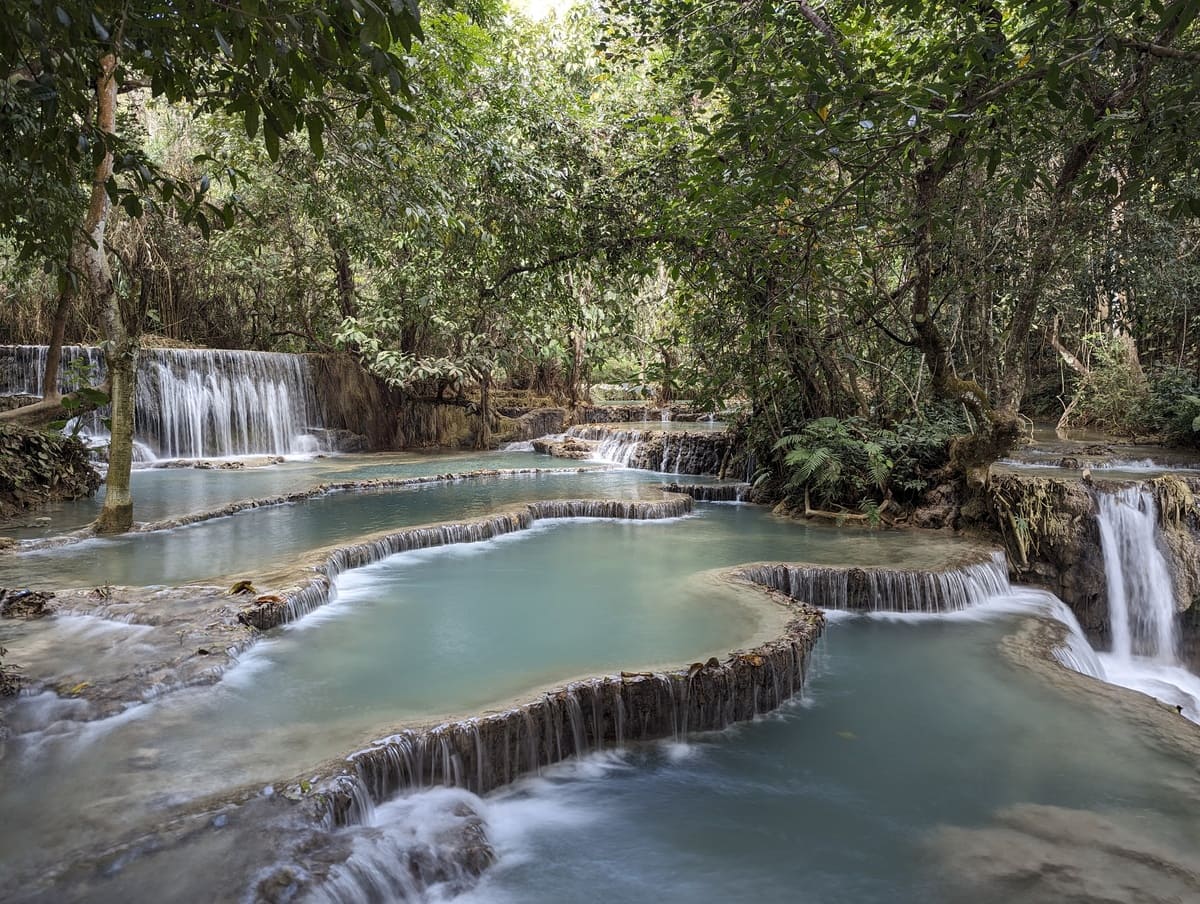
484,753
885,589
1141,598
192,403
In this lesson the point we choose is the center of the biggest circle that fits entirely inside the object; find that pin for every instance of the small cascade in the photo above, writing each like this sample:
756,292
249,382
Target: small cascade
1141,597
885,589
711,492
484,753
655,450
618,447
191,403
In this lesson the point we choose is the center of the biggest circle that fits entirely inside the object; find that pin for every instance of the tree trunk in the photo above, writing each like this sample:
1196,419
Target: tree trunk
577,340
120,346
344,277
50,385
666,394
485,412
117,515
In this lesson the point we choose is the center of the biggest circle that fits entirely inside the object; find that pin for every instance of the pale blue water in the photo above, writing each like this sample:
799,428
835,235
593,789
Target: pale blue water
905,728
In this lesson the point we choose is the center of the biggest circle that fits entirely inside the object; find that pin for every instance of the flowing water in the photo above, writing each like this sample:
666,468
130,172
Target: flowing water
191,403
449,631
257,541
917,768
1143,617
920,764
164,493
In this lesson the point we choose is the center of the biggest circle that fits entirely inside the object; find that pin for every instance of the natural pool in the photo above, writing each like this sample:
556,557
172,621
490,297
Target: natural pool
915,769
162,493
448,631
910,765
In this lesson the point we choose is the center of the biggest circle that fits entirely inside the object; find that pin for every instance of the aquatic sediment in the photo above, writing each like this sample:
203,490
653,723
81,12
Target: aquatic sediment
481,754
956,586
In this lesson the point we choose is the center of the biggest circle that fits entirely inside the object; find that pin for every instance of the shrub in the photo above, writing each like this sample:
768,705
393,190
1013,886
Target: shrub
852,463
1174,406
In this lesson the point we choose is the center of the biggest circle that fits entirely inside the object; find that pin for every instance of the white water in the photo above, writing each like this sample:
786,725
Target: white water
1141,597
618,448
192,403
1141,603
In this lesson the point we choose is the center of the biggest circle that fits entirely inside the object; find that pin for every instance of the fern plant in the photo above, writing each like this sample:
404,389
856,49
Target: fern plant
836,462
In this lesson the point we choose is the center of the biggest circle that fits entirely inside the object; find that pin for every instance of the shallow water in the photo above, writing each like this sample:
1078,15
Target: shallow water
905,728
915,735
439,632
256,541
161,493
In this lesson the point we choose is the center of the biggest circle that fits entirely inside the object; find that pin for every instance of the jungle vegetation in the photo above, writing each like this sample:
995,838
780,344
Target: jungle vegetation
891,231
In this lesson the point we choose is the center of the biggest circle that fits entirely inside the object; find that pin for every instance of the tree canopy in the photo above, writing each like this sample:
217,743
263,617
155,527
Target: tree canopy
891,213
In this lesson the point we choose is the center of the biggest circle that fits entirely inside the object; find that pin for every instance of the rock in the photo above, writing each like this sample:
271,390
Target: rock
575,449
24,603
145,758
337,440
1069,463
7,543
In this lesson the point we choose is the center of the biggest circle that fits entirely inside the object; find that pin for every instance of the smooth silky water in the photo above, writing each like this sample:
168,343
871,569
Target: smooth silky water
255,541
417,636
162,493
883,784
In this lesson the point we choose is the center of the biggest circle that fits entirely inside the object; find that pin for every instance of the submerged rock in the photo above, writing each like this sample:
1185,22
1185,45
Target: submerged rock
1039,854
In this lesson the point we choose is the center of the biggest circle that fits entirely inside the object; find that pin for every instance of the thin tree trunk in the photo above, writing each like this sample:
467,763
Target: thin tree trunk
120,346
485,411
344,276
50,385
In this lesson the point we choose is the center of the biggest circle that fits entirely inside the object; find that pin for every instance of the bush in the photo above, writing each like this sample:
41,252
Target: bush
1114,395
853,463
1174,406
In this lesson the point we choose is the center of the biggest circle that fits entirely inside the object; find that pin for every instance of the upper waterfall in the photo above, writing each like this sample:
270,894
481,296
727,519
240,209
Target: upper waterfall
193,403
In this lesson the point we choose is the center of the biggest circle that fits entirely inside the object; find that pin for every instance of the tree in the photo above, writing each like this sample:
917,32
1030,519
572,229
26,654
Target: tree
281,67
844,150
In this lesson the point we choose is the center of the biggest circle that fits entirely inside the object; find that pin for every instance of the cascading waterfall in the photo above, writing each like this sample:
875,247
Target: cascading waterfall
1141,598
1141,603
485,753
885,589
192,403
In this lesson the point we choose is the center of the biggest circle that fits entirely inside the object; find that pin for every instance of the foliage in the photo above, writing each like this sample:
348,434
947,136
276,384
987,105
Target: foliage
275,66
1174,408
853,463
36,466
1114,393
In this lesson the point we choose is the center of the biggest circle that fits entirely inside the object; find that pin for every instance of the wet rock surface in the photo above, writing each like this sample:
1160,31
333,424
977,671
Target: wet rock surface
578,450
25,603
